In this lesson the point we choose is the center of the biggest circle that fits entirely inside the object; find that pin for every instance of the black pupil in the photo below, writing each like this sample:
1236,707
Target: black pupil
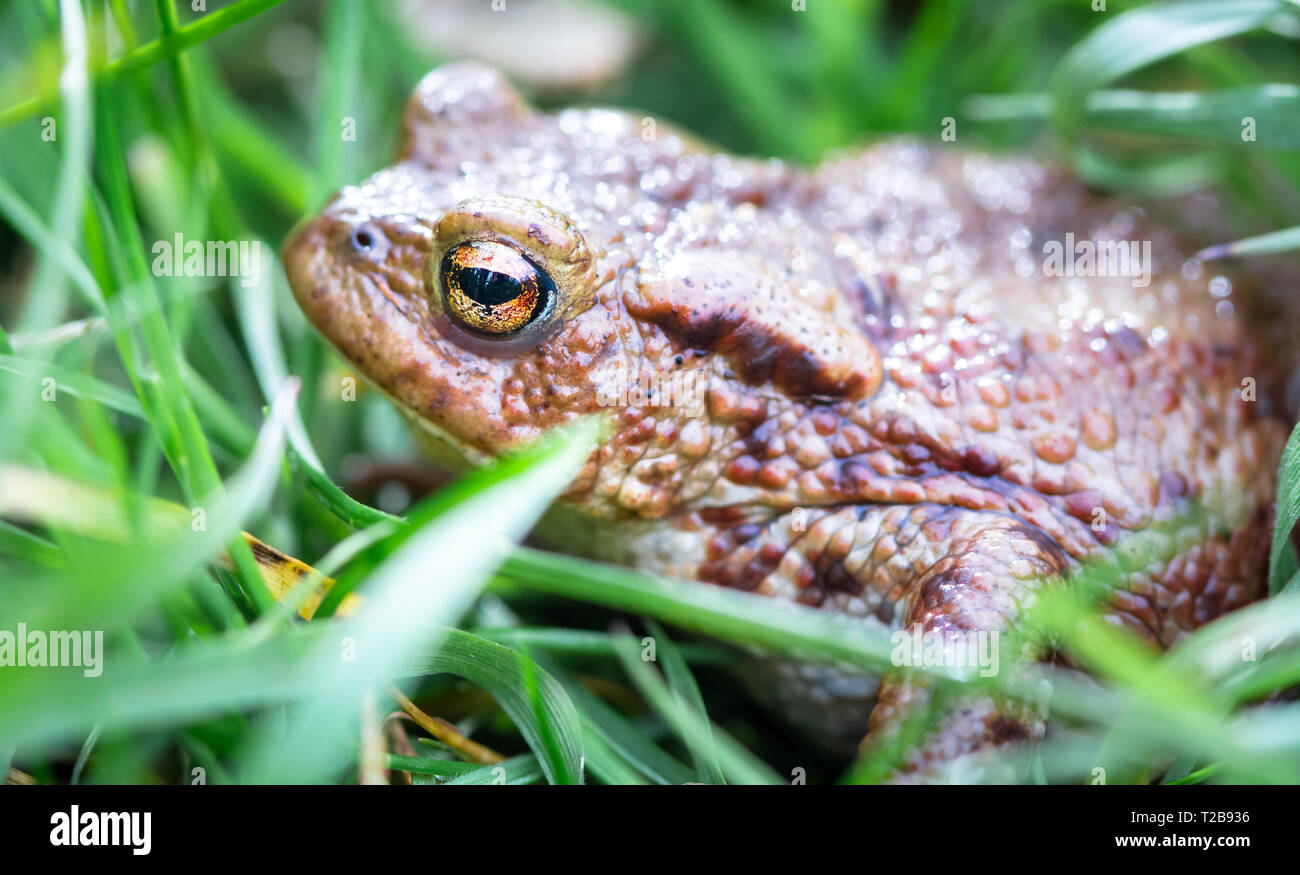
362,240
488,287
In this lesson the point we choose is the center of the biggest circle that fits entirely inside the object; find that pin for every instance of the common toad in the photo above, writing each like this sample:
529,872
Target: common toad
854,387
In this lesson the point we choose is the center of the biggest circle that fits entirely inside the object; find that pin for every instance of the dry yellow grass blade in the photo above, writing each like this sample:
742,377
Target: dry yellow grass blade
445,732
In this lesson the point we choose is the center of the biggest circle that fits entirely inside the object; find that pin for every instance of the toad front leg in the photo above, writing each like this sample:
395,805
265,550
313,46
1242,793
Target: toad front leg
945,572
992,567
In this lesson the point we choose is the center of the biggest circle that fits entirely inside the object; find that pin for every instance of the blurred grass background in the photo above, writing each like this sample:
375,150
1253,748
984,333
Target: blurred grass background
173,395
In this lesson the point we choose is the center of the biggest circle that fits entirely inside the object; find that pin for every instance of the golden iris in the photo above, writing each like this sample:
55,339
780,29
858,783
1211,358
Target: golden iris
492,288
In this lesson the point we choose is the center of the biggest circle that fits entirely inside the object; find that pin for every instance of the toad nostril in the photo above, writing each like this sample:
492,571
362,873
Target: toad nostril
367,240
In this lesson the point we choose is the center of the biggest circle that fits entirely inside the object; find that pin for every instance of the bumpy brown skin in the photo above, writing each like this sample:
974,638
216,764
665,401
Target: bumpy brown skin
905,419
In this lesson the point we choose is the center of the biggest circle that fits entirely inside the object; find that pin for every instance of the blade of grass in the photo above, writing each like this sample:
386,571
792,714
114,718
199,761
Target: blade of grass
1201,115
58,249
431,765
344,22
686,694
256,313
239,137
23,545
44,304
1285,240
421,578
585,642
605,764
523,769
738,764
600,721
549,723
725,45
151,53
730,615
123,583
1214,116
42,709
171,411
1281,561
1141,37
73,382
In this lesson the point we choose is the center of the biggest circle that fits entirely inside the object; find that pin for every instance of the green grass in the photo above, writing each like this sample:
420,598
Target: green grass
187,410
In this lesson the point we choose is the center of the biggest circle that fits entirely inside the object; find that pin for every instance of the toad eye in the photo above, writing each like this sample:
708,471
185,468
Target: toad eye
492,288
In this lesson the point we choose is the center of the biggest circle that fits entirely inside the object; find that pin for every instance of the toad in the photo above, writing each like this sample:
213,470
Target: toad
912,385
